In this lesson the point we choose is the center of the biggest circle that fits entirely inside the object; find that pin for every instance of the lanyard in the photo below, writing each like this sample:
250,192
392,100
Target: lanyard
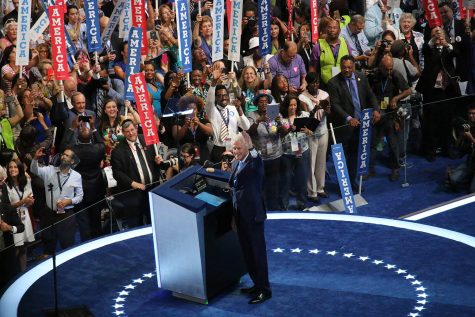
18,193
59,182
383,87
225,120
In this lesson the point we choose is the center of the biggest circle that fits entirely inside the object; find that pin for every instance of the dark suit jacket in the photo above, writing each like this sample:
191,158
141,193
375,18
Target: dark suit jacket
246,186
9,265
341,102
462,50
436,61
124,167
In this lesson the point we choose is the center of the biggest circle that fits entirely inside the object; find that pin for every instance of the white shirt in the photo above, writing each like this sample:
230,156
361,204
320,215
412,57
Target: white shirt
214,116
137,160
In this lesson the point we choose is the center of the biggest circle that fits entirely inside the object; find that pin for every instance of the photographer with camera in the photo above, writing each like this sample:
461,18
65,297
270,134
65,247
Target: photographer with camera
464,174
381,49
390,89
437,84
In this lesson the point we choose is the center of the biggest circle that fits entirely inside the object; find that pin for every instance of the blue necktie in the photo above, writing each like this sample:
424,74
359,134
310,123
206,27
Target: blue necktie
355,98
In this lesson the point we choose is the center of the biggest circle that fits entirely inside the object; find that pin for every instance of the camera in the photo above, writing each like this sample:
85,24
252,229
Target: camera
172,161
385,44
84,118
402,112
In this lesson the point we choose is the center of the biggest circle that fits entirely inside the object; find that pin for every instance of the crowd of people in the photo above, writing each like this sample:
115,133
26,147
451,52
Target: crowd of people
59,138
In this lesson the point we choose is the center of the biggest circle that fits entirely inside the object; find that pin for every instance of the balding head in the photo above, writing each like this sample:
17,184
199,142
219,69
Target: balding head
70,86
386,66
103,22
289,52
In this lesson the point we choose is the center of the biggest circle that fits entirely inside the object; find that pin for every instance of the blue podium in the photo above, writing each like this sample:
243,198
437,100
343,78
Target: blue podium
197,254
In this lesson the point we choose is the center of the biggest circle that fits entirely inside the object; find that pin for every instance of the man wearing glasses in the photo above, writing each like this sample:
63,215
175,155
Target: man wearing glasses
225,118
291,65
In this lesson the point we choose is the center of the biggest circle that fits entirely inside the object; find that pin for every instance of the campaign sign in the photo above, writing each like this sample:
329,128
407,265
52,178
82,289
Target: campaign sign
432,13
58,42
314,19
218,33
364,146
139,20
184,34
113,21
133,59
92,26
144,108
125,22
263,7
23,38
343,178
235,31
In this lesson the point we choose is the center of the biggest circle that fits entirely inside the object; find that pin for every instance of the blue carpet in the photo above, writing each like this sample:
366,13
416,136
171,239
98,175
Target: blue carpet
317,268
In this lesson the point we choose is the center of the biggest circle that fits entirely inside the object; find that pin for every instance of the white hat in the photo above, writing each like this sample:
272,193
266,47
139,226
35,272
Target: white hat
253,43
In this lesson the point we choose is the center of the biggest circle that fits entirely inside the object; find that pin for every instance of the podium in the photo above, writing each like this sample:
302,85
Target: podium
197,254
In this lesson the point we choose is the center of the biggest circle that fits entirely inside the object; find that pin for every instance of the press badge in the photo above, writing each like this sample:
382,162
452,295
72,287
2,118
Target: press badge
294,144
385,103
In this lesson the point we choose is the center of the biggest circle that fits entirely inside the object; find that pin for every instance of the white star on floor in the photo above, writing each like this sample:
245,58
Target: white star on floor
333,253
314,251
123,293
401,271
421,288
423,302
389,266
119,312
378,262
138,280
413,314
118,306
364,258
148,275
296,250
348,255
419,308
119,299
278,250
130,286
409,277
423,295
416,282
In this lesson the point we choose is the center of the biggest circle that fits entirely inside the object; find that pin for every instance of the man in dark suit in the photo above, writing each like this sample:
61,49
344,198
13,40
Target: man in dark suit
10,223
455,33
438,83
249,213
135,166
350,93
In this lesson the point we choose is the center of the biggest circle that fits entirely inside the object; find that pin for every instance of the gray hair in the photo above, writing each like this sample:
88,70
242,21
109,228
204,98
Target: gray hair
244,139
357,18
407,15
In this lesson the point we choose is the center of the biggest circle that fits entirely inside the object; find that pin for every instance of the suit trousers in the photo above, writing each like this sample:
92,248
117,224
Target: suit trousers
253,245
64,230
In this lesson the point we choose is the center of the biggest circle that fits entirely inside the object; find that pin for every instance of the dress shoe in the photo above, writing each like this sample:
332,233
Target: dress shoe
249,290
323,195
314,200
394,175
261,297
